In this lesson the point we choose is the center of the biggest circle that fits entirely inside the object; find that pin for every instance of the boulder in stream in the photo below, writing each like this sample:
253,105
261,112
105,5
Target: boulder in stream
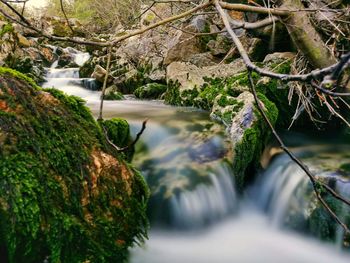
65,194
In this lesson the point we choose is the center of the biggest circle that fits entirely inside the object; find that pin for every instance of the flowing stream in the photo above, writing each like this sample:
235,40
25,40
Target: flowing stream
196,215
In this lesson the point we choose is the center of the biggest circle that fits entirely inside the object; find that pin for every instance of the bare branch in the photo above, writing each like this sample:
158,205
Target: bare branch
105,43
65,16
132,144
109,50
315,74
271,11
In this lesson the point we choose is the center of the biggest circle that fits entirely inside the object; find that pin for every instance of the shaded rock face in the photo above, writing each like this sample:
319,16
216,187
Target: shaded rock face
61,186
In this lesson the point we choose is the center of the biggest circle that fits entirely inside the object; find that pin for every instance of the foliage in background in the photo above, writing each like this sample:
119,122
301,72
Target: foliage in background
99,16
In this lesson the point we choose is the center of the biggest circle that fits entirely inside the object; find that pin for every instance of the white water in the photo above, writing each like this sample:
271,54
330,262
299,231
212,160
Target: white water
247,236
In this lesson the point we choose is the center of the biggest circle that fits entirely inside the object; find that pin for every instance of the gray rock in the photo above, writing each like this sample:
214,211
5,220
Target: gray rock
189,76
278,56
203,59
200,23
99,74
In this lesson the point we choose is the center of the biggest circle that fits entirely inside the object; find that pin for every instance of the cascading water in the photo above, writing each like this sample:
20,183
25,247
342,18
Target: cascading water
195,212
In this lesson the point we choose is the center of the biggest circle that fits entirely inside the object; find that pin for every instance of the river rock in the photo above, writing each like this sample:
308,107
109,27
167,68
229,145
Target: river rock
182,46
203,59
224,91
278,57
100,73
20,53
59,176
113,93
189,76
66,60
150,91
23,41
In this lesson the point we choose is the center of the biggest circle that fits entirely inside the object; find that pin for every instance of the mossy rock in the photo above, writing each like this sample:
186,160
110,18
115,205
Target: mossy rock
118,132
7,28
150,91
87,69
65,194
27,66
112,93
60,29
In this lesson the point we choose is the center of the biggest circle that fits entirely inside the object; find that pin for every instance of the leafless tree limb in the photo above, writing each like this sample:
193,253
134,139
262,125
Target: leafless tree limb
132,144
109,50
65,16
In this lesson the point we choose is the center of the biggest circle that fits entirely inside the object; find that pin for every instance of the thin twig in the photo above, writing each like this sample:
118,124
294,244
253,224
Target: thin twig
109,50
65,16
132,144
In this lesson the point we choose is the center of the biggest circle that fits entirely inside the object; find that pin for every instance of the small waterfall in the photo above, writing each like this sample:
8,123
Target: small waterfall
91,84
81,58
54,64
206,203
285,191
72,73
68,81
277,187
191,181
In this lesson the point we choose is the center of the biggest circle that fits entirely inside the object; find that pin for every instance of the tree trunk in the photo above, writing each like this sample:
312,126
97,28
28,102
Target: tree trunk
305,37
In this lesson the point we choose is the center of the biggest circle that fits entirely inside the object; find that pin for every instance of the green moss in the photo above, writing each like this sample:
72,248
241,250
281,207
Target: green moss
137,80
87,69
46,151
118,132
18,75
7,28
345,167
150,91
172,95
321,224
114,95
204,39
249,149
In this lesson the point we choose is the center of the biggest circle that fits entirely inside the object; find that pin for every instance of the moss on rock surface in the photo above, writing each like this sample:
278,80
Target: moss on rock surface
118,132
150,91
65,196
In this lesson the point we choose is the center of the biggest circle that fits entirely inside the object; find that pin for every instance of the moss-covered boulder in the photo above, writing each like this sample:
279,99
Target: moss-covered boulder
112,93
65,194
150,91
